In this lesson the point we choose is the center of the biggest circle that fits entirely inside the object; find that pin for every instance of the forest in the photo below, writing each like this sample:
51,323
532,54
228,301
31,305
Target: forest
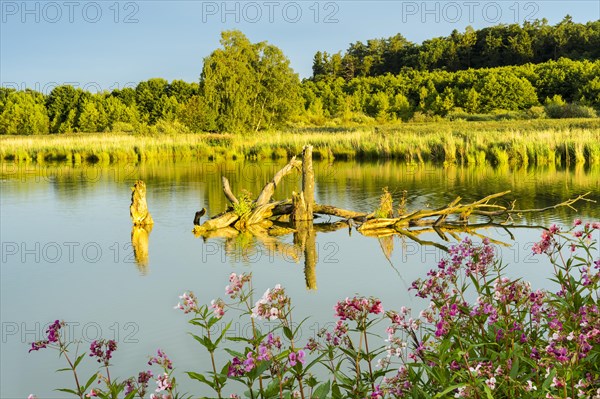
503,72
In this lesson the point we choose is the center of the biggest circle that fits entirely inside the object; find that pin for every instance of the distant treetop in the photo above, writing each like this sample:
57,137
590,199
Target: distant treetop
501,45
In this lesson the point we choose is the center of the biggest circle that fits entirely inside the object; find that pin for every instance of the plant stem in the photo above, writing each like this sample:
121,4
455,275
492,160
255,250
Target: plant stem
358,361
369,361
212,360
64,351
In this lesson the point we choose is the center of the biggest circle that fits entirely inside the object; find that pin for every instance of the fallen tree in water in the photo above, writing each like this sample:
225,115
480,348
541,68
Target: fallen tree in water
262,221
243,213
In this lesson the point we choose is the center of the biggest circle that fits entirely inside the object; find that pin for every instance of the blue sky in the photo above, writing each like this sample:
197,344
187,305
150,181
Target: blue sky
101,45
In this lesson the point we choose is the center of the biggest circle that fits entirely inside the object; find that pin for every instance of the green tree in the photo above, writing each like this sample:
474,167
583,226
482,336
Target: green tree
250,86
63,105
23,112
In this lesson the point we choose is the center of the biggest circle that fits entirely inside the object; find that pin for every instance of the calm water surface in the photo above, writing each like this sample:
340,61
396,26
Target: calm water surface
67,252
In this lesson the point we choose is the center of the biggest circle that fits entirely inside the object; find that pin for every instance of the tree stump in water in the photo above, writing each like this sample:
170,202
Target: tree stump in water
139,208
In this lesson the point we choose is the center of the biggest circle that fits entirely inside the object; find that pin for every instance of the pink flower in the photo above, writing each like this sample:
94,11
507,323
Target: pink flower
32,396
236,283
163,383
91,394
292,357
190,303
301,356
218,307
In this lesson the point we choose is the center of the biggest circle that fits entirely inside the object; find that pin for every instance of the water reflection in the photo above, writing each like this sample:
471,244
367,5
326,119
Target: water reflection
57,200
139,241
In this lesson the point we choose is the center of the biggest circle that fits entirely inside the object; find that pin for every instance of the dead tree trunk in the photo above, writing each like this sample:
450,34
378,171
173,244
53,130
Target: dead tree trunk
138,210
303,203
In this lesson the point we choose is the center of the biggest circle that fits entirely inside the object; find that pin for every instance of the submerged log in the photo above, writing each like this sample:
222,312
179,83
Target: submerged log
138,210
218,222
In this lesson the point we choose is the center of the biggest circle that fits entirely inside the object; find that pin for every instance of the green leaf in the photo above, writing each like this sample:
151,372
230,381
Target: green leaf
200,377
449,389
322,390
335,391
288,333
67,391
207,343
272,388
90,381
78,360
223,333
488,392
234,353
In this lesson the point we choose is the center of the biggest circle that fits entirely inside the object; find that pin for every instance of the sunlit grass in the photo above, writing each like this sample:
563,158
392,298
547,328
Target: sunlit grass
539,142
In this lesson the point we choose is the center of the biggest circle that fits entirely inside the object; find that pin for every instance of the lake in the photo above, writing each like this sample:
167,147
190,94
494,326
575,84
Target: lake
67,252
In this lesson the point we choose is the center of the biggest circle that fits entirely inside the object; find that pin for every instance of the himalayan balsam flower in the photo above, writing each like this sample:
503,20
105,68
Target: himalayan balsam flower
272,304
190,303
52,334
357,308
163,383
162,360
32,396
105,355
295,358
530,387
218,307
236,282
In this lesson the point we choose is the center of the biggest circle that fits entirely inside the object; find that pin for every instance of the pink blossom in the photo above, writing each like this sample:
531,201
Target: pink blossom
190,303
163,383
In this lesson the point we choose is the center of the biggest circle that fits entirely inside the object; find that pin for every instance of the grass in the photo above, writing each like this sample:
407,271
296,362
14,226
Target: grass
535,142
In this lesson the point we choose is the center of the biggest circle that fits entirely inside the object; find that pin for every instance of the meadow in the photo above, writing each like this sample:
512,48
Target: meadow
532,142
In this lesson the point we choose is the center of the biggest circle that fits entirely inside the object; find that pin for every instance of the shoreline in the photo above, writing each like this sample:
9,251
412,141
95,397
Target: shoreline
534,142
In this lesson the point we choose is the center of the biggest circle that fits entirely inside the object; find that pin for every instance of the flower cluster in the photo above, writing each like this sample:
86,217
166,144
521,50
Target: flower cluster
218,307
238,368
236,283
163,383
190,303
398,385
476,261
548,242
162,360
52,334
140,385
357,308
103,355
272,305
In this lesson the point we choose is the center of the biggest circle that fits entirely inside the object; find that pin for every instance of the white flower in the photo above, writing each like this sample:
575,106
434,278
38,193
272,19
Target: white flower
491,382
530,387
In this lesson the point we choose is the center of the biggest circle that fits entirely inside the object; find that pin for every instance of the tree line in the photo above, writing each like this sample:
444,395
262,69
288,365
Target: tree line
248,86
501,45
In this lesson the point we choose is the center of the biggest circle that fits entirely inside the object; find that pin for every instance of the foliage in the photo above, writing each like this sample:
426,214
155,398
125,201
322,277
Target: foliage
250,86
23,112
247,86
533,42
483,334
245,204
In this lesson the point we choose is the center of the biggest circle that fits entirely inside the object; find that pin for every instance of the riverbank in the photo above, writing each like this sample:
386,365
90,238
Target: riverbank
533,142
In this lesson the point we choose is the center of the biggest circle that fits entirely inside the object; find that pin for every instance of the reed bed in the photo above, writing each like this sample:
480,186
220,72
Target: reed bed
540,142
